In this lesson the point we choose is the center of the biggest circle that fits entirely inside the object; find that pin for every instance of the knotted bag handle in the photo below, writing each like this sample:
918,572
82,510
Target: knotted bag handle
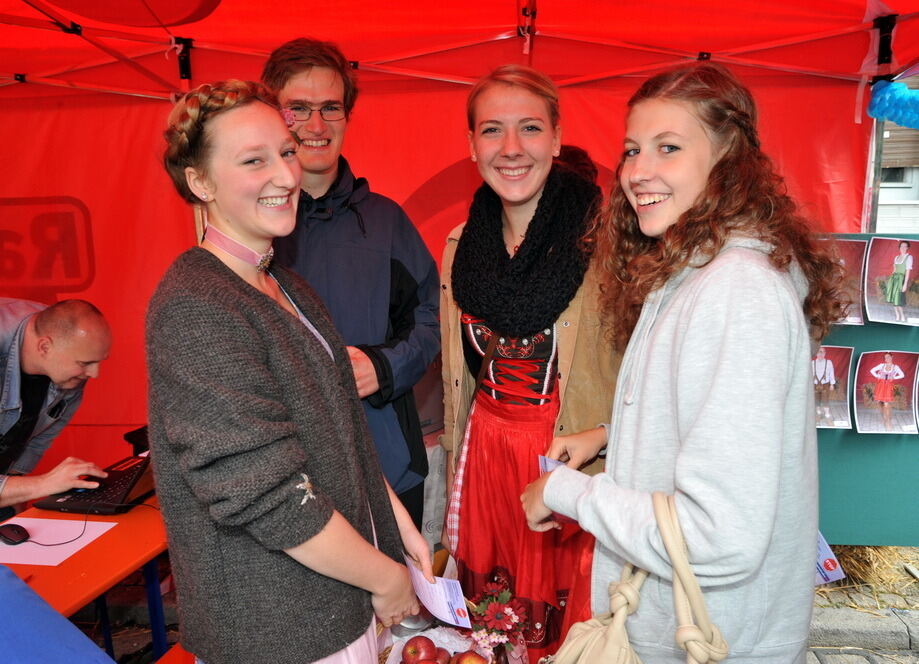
696,634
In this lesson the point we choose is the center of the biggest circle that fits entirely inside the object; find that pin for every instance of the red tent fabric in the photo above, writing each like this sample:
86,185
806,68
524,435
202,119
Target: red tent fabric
86,211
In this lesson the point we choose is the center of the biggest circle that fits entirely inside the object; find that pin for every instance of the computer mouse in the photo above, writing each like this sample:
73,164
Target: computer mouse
13,533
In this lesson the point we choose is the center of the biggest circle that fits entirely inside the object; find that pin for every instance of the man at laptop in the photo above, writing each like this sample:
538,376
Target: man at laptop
46,356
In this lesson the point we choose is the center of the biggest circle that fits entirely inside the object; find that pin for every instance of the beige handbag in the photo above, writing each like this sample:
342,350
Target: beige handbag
604,638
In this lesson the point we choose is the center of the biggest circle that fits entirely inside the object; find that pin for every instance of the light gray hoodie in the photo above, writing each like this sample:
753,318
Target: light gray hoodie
715,405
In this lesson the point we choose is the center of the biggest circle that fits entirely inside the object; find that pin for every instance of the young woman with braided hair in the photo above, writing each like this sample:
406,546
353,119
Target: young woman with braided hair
717,287
517,273
284,537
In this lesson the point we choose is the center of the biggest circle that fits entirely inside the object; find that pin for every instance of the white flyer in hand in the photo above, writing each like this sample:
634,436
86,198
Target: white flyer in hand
443,598
828,568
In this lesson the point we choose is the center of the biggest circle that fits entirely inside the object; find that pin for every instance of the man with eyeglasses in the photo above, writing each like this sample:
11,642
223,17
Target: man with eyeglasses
362,255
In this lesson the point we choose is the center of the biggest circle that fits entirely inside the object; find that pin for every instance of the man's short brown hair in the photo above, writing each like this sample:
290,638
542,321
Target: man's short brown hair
303,54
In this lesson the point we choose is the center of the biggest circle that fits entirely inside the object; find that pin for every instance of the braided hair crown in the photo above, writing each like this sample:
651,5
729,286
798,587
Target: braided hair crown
187,139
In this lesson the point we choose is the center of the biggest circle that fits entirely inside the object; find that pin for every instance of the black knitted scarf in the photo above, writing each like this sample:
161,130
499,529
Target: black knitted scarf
520,295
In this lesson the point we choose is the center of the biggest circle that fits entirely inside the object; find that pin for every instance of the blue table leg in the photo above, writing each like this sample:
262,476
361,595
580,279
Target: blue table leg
155,608
102,612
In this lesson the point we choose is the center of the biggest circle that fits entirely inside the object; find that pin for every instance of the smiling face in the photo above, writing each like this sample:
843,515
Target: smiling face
513,142
904,247
321,139
667,160
252,175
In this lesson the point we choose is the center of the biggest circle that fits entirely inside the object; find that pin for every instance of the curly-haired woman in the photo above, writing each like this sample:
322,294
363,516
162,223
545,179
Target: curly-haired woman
517,274
717,287
284,537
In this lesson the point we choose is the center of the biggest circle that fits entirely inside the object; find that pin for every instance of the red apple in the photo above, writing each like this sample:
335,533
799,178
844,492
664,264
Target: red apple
468,657
443,656
417,649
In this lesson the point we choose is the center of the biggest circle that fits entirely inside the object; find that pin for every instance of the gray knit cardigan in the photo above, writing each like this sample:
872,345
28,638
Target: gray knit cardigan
246,408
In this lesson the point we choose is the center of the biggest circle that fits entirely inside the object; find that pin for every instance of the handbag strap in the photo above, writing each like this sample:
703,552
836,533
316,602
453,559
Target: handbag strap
624,594
696,634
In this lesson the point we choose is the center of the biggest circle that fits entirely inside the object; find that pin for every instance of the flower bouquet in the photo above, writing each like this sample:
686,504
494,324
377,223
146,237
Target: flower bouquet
498,621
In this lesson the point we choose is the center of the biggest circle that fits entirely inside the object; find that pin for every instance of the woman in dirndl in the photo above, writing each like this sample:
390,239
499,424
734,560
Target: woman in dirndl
898,283
886,373
517,274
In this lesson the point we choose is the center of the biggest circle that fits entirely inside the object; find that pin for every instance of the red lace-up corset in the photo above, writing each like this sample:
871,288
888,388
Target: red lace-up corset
523,369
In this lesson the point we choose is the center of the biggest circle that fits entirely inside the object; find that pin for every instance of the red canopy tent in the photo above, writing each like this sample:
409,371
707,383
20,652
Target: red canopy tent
86,211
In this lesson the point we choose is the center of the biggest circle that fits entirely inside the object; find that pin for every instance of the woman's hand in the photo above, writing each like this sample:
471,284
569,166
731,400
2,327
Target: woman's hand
417,548
536,511
394,599
578,448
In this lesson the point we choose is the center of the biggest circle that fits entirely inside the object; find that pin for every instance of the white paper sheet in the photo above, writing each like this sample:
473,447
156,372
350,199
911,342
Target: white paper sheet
443,598
50,531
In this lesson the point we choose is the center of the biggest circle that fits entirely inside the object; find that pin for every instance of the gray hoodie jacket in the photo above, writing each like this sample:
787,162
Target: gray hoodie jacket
715,405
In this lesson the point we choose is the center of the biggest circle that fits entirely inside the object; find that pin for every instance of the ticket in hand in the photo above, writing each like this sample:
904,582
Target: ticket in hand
547,465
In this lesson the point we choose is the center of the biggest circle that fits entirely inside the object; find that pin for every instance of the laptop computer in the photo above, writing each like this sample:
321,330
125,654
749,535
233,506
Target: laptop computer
129,482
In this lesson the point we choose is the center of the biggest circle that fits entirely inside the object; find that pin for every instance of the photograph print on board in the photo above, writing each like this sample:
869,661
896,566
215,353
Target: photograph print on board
830,368
885,382
891,288
851,254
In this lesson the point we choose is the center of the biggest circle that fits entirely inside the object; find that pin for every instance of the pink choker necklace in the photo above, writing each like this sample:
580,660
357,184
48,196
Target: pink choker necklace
238,249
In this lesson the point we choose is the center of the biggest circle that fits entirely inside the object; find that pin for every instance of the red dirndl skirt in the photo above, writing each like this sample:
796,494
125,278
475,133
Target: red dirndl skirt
494,541
883,390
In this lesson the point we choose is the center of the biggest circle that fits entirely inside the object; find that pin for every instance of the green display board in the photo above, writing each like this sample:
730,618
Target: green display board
869,483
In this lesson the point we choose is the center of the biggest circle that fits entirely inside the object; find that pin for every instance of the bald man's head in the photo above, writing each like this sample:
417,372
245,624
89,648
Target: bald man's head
66,342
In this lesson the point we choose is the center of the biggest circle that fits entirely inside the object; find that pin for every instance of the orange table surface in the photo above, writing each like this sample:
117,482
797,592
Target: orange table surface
139,537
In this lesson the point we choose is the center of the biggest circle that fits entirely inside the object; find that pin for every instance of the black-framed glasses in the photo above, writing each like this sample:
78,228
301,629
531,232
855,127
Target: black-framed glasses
329,112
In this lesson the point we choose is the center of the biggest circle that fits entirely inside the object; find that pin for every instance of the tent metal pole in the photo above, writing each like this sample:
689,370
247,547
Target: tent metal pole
71,27
60,83
407,55
96,63
873,188
39,24
759,64
589,78
800,39
415,73
440,49
526,27
617,43
616,73
235,50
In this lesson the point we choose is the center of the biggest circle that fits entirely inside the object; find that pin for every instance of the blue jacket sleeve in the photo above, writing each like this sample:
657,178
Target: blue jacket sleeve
413,339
